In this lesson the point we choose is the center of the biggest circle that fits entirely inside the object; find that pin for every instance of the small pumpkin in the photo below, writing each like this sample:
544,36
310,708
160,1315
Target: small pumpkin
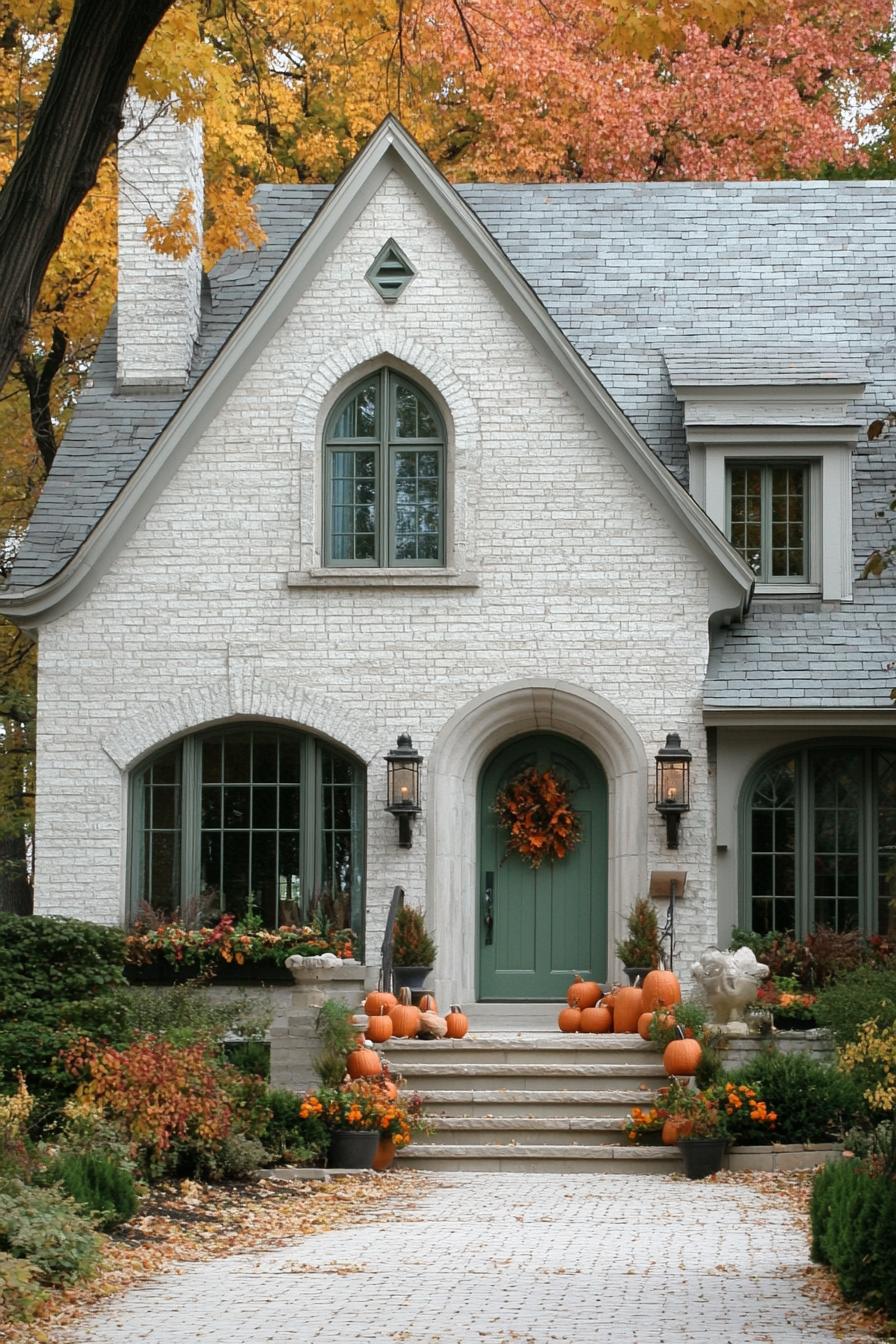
363,1063
379,1028
457,1023
432,1026
583,993
644,1022
427,1004
661,990
627,1009
378,999
405,1017
569,1019
596,1019
681,1056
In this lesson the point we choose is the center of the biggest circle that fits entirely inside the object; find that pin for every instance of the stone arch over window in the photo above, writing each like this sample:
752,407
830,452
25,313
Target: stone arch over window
249,818
459,753
426,370
818,838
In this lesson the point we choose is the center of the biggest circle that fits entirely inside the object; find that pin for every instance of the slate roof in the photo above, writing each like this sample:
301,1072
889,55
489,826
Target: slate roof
636,275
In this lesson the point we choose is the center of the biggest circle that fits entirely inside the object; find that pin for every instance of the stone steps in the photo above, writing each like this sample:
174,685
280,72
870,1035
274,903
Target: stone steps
527,1101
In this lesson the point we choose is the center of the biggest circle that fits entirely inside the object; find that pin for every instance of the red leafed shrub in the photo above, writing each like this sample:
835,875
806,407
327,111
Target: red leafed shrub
160,1095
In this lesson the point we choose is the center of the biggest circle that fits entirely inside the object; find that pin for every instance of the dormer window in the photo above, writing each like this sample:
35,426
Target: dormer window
770,435
767,518
384,477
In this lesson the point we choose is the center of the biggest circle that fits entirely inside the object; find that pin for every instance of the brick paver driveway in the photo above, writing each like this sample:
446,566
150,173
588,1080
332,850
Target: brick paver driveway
489,1259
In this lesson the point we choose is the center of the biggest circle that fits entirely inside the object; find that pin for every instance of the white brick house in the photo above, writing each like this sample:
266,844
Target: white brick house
251,571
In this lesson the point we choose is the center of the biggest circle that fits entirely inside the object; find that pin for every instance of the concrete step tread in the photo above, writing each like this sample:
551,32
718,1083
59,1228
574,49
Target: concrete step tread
434,1097
556,1152
583,1123
492,1069
529,1040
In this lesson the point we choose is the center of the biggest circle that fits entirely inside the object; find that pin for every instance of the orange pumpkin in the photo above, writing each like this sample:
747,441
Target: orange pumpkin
457,1023
427,1004
378,999
363,1063
681,1057
379,1028
583,993
627,1009
569,1019
596,1019
644,1022
661,990
405,1017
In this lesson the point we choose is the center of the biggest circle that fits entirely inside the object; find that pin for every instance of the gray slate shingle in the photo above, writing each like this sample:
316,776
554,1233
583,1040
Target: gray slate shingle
631,272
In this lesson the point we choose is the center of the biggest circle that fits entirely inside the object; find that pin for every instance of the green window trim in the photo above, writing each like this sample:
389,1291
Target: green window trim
827,854
285,827
768,517
384,477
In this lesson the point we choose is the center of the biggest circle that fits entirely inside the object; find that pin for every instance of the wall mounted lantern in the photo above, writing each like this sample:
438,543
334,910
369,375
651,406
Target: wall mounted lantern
403,786
673,785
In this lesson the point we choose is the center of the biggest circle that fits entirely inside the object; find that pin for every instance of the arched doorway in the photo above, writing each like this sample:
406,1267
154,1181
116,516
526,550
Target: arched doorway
538,925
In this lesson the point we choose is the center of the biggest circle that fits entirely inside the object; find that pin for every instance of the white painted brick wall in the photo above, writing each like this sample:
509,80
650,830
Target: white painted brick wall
581,579
158,297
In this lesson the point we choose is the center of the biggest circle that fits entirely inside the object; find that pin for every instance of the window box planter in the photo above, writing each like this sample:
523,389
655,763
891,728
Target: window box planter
160,971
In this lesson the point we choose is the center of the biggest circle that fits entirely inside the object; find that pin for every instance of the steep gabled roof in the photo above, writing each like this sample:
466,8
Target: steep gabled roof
390,149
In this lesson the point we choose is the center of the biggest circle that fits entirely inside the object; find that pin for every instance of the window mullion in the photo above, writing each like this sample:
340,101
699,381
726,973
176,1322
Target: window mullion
868,851
806,803
309,840
384,475
765,506
190,803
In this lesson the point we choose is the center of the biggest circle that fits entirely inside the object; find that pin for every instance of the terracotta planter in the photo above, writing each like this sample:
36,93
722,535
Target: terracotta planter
384,1155
673,1130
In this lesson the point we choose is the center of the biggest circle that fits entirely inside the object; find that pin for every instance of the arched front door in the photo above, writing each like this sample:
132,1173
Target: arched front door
536,926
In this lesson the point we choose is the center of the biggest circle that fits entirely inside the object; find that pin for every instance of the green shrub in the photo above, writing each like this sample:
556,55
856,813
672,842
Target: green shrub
249,1057
46,1228
191,1013
813,1101
58,981
236,1158
411,944
337,1036
101,1187
20,1292
853,1222
288,1137
869,992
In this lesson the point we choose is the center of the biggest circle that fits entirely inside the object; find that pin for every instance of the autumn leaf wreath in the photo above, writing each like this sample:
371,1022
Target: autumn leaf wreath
536,811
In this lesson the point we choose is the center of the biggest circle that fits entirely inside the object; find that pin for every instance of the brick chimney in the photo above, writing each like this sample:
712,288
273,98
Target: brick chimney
158,297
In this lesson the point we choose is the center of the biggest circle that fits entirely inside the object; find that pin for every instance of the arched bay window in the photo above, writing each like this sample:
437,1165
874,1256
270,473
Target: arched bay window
819,840
242,818
384,476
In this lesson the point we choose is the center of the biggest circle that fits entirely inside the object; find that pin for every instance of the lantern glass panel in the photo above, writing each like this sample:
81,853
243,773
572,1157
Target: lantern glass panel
403,784
672,785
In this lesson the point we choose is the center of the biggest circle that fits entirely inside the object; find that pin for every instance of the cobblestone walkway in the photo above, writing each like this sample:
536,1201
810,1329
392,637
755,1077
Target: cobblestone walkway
495,1258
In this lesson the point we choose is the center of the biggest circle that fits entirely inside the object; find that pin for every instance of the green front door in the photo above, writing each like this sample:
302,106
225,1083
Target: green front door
538,926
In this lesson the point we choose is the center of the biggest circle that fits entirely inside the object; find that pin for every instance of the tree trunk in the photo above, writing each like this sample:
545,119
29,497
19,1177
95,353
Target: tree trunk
77,120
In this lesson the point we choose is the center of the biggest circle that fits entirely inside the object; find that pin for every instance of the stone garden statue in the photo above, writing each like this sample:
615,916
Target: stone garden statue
730,980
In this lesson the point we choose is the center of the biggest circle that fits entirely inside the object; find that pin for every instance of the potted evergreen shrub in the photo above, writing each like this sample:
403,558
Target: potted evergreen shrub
640,952
413,951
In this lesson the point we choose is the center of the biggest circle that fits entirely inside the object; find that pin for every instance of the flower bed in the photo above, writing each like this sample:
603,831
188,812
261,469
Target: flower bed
231,950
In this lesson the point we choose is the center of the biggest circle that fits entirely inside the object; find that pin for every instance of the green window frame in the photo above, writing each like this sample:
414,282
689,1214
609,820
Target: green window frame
818,840
384,476
241,818
767,506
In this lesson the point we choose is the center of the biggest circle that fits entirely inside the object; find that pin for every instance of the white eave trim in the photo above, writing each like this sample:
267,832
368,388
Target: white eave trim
790,716
389,149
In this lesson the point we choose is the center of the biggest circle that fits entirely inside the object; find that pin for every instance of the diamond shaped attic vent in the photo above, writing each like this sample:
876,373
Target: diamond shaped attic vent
391,272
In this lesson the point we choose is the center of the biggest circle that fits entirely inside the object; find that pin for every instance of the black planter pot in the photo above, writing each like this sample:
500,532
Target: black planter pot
634,972
355,1148
409,977
702,1157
